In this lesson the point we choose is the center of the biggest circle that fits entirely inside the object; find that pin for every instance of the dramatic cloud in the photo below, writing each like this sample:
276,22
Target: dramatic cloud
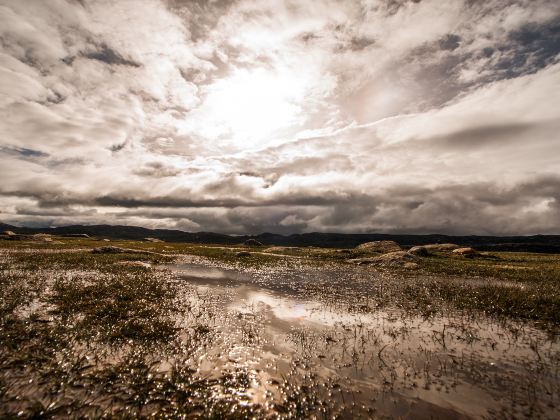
284,116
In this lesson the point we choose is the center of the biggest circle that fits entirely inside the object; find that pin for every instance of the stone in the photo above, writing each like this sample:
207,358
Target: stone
441,247
465,252
379,246
42,237
8,233
419,251
396,258
243,254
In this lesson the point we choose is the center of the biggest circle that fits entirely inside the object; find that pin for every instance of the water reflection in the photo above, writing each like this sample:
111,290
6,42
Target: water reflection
386,360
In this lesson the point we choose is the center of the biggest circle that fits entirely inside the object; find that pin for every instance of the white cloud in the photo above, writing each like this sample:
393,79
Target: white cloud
279,115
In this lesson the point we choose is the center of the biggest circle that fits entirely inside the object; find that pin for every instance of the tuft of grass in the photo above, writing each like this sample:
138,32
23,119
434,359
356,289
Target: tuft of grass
515,285
135,306
520,267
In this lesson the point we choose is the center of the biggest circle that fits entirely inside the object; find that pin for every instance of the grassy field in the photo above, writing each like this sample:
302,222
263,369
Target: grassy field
87,334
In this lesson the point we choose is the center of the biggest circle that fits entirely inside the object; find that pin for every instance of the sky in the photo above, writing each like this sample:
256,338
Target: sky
249,116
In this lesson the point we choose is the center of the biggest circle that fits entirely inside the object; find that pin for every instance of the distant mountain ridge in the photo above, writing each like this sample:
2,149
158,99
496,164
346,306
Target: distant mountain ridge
535,243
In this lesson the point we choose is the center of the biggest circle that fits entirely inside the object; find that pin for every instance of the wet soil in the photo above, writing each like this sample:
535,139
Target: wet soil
313,332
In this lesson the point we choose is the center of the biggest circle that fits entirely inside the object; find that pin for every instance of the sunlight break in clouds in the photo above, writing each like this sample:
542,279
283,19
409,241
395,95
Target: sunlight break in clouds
249,107
284,116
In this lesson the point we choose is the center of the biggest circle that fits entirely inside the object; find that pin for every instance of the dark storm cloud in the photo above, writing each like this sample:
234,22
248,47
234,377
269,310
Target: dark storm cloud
453,209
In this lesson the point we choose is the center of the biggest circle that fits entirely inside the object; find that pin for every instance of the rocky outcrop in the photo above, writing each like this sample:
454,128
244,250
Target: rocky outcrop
466,252
396,258
419,251
441,247
42,237
379,246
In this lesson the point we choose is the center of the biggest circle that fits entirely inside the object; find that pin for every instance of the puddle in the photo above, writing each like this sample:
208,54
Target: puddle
380,363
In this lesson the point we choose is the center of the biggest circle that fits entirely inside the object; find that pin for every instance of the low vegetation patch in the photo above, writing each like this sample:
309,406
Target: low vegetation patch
114,334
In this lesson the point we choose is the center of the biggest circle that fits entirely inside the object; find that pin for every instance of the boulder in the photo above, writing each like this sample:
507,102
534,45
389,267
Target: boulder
8,233
395,258
465,252
441,247
243,254
252,242
379,246
419,251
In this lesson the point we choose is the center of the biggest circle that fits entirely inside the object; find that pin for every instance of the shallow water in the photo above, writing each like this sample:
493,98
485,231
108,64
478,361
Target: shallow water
318,351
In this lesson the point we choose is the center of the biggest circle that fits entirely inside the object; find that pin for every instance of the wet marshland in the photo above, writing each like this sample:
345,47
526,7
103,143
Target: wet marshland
362,360
94,336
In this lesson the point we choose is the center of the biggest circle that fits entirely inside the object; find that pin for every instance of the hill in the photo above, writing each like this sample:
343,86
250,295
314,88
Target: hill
535,243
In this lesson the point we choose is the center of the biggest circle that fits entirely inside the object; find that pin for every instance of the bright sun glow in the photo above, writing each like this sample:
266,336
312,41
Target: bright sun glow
249,107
